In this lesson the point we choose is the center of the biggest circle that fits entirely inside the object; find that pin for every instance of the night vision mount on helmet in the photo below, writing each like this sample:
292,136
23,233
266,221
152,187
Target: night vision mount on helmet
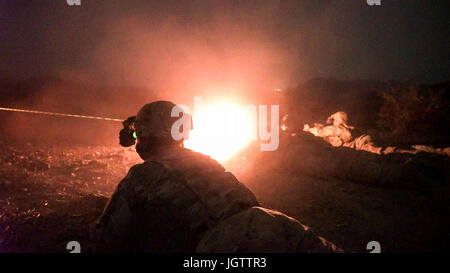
128,135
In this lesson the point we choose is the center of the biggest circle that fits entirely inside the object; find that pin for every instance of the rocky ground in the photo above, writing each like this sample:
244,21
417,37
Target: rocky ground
50,195
352,197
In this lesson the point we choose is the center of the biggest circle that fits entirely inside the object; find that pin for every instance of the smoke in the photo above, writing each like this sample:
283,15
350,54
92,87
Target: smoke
112,62
115,56
223,50
239,49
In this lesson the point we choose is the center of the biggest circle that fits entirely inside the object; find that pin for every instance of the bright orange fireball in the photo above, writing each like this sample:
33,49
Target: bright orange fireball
221,130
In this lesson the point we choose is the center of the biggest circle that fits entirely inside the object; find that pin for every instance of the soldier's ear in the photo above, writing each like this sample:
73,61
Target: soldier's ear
126,137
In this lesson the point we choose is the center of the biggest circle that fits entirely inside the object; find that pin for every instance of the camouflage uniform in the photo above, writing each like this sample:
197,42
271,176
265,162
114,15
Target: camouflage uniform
186,202
166,206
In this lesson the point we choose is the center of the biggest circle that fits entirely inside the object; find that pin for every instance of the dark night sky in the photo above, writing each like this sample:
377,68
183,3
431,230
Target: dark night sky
275,43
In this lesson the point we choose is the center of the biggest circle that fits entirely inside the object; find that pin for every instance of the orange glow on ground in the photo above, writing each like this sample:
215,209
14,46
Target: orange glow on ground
221,130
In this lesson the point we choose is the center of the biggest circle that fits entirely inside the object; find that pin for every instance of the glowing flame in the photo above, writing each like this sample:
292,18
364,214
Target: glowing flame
221,130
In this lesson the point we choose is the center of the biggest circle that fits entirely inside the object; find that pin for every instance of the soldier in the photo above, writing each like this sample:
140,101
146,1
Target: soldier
182,201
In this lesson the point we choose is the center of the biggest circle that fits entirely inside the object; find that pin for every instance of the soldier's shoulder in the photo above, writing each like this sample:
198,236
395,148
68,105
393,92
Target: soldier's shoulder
145,166
196,160
144,172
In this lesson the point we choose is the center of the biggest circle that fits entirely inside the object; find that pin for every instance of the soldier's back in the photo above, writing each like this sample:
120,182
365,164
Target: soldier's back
174,201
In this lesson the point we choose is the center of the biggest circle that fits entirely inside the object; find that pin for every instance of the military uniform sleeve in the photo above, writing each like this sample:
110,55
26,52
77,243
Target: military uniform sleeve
112,231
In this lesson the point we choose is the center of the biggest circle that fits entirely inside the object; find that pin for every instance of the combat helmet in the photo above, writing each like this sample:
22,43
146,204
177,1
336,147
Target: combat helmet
154,120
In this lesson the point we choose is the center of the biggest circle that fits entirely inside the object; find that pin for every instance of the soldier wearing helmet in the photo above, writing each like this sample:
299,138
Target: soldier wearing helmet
182,201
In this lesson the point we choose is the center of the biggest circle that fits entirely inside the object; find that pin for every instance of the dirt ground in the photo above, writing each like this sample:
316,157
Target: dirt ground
52,195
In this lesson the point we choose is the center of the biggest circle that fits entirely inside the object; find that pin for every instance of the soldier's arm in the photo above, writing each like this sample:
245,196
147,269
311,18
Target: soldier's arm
112,231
